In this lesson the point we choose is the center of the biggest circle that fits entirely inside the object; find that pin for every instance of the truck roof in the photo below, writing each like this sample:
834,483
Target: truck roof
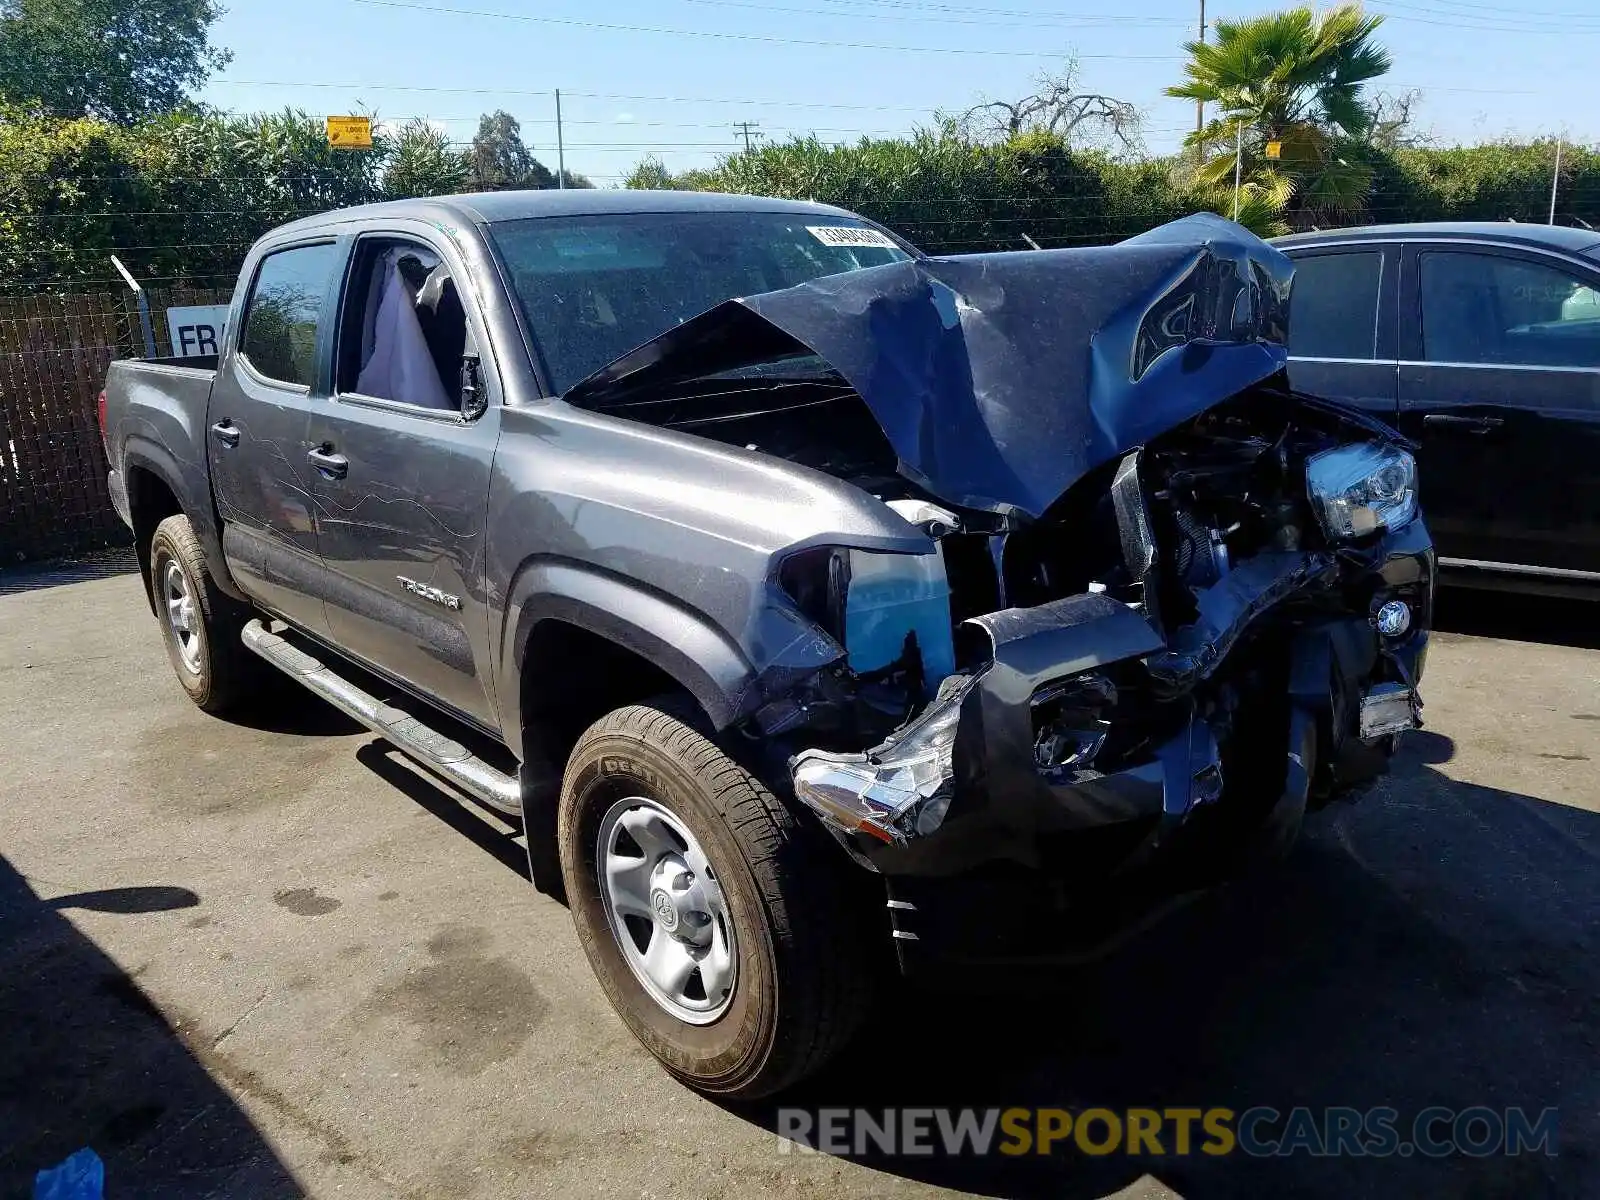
490,207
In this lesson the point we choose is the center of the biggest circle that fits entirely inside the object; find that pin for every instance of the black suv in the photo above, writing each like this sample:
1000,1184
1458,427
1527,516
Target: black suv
1482,342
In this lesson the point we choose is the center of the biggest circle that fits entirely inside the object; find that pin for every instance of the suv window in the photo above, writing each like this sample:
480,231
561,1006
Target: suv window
1333,307
280,321
1487,308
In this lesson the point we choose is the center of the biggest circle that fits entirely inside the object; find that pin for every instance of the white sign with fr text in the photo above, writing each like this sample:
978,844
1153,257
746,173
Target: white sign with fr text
196,329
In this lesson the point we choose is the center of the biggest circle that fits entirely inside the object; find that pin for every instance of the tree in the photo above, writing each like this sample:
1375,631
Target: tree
122,60
499,159
422,162
1391,121
1294,78
650,174
1080,119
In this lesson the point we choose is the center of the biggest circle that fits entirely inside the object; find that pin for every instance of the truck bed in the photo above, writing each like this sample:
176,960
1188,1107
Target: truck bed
155,429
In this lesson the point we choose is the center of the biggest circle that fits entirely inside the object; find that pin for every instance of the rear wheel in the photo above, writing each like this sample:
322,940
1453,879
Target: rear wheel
199,624
720,927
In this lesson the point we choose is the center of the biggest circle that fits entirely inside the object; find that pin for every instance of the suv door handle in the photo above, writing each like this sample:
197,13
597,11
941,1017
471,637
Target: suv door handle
226,432
332,466
1465,424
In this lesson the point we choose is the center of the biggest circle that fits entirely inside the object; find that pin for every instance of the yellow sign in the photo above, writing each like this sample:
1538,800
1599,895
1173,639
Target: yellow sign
1274,149
350,133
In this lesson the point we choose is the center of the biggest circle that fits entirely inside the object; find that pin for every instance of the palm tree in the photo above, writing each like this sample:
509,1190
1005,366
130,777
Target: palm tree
1295,78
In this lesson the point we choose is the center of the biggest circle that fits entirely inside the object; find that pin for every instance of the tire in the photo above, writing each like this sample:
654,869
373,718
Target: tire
215,669
803,974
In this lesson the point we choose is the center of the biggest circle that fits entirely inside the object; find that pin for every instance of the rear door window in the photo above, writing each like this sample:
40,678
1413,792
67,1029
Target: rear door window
1504,311
285,312
1333,307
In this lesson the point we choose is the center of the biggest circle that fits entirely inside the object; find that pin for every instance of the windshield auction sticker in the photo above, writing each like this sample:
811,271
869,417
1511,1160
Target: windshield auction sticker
850,235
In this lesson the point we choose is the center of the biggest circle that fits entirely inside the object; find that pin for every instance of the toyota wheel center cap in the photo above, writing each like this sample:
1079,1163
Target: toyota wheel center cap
665,910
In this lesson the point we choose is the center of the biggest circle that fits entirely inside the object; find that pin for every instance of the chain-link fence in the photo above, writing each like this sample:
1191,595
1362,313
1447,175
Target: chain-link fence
54,351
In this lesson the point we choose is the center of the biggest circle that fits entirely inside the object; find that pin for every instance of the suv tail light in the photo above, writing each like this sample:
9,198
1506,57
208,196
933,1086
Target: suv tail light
100,416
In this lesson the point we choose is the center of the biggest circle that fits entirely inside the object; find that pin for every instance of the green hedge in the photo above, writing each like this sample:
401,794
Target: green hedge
953,196
179,199
176,199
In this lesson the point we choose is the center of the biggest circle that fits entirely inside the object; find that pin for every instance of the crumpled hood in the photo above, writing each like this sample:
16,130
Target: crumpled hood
1001,379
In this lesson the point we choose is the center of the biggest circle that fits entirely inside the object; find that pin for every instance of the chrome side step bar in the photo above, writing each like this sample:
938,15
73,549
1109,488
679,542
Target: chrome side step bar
448,759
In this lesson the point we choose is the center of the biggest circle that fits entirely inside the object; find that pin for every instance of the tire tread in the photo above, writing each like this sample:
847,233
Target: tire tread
825,970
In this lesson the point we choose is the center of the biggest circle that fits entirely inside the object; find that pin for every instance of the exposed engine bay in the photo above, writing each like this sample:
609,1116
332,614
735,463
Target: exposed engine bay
1158,584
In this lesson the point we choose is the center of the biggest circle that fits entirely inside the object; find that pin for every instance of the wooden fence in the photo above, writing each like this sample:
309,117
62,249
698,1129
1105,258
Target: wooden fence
54,351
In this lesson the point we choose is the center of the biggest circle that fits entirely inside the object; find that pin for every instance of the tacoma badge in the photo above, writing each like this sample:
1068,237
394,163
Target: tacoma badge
428,592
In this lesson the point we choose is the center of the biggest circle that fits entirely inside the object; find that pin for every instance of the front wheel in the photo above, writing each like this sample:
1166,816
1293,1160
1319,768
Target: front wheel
721,931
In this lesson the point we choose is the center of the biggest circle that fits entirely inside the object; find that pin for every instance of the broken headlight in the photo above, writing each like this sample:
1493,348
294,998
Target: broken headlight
893,791
874,602
1362,488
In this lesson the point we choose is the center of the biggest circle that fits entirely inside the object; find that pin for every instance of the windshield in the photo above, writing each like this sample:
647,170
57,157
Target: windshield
592,288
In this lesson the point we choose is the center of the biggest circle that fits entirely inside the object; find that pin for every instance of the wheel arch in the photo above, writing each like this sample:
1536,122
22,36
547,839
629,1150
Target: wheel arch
677,643
158,487
605,643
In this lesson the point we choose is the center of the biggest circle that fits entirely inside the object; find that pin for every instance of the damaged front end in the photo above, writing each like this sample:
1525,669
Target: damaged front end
1106,742
1166,605
1235,649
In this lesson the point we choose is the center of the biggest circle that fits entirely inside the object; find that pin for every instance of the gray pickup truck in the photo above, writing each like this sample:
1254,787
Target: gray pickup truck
842,608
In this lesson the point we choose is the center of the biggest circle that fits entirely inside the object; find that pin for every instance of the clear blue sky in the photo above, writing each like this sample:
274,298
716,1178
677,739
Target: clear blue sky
688,69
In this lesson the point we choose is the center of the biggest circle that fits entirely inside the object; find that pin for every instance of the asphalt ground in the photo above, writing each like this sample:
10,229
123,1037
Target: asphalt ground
272,959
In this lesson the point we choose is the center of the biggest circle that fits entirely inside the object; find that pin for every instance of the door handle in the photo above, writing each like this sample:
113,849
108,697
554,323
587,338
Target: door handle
332,466
226,432
1477,425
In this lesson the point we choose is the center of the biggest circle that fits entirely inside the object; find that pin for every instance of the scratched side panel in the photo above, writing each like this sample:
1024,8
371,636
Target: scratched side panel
411,507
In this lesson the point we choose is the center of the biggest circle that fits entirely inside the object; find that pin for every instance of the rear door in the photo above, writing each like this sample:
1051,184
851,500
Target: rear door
260,406
401,477
1500,383
1342,325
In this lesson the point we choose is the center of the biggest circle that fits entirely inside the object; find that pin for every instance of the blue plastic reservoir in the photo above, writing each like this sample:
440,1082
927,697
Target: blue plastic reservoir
890,596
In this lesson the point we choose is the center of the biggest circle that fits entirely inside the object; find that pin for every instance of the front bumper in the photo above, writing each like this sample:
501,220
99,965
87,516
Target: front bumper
957,821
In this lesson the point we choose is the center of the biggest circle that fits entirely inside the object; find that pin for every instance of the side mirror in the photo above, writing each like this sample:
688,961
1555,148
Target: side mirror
473,398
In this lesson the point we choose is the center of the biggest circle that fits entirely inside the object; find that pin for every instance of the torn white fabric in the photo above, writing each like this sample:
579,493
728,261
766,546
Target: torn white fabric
400,366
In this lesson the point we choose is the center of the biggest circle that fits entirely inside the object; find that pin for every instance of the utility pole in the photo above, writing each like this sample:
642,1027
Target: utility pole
1555,179
561,147
1200,105
748,130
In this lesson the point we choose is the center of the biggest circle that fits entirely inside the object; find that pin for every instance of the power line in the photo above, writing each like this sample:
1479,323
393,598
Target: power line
1035,17
754,37
1033,20
1463,21
421,89
1500,8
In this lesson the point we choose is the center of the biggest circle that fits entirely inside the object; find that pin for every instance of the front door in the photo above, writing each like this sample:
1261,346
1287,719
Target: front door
1342,326
1500,383
257,440
402,483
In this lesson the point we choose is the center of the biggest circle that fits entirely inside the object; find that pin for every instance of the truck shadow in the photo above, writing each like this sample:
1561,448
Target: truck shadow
89,1060
489,831
1433,944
